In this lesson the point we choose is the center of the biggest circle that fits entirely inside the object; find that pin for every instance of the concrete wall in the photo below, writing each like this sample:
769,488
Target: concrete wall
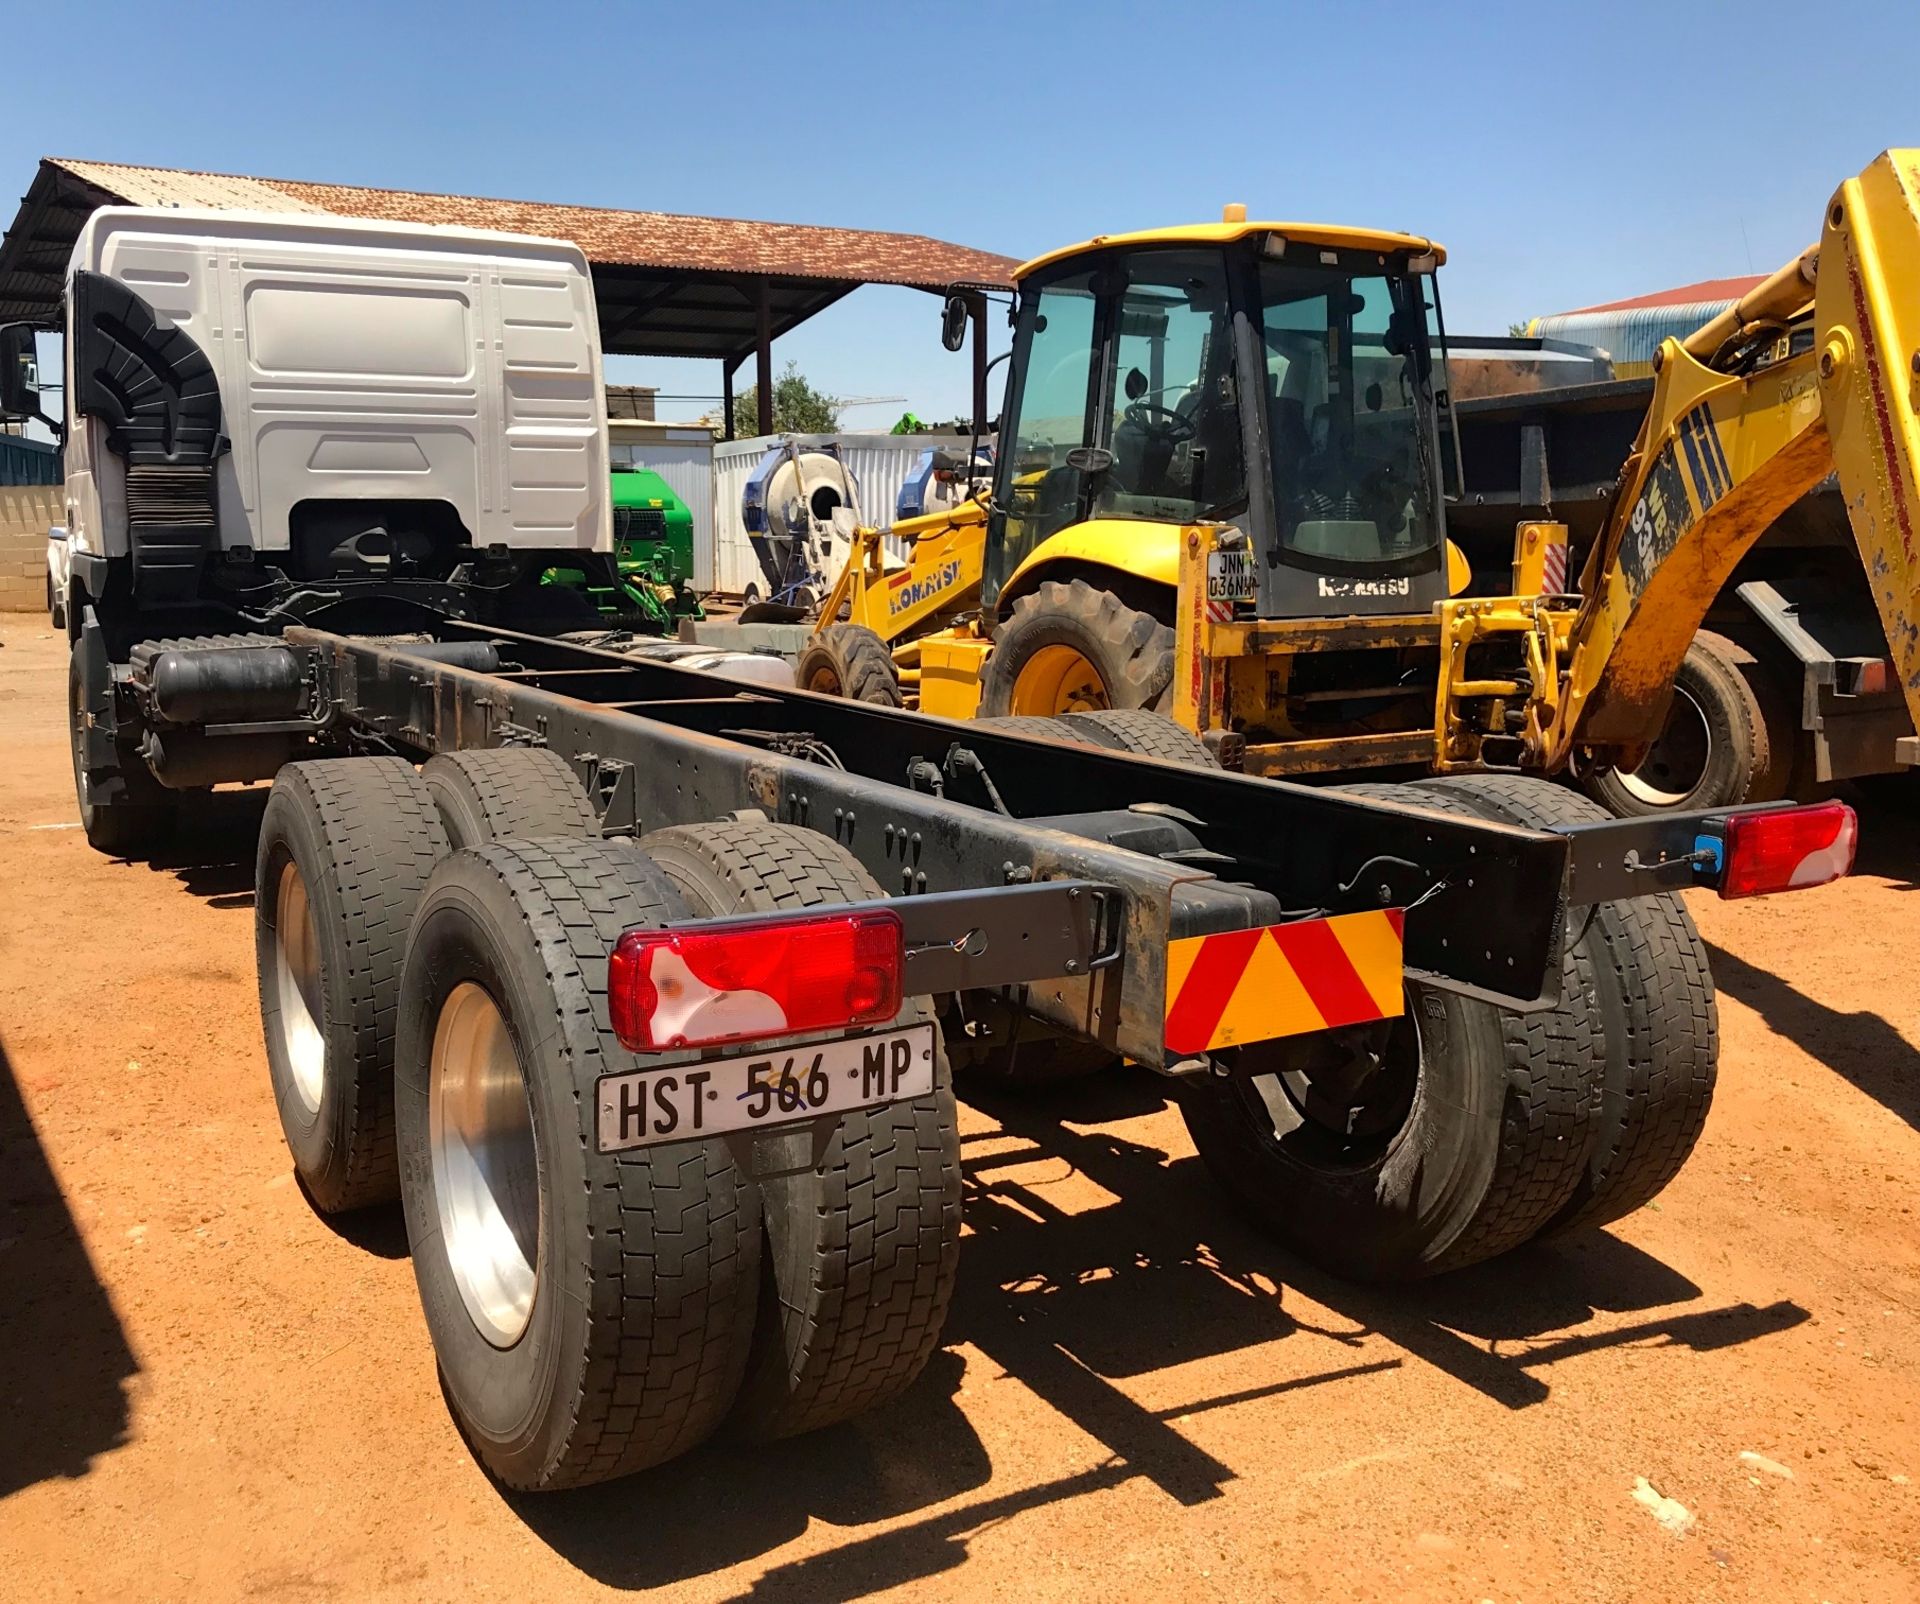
25,513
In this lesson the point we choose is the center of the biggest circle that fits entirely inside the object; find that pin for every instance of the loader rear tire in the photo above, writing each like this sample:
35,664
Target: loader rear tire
346,846
1495,1117
591,1312
519,792
850,660
1651,1010
1068,647
1727,739
863,1244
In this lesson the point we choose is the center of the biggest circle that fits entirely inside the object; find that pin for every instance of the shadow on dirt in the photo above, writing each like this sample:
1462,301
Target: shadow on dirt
1859,1047
1068,1302
211,853
1889,809
64,1359
380,1229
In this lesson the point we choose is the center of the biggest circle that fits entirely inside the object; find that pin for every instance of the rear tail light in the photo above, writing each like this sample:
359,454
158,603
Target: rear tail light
748,980
1788,849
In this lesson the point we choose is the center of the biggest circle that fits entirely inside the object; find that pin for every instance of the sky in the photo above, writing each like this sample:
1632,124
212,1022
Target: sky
1564,154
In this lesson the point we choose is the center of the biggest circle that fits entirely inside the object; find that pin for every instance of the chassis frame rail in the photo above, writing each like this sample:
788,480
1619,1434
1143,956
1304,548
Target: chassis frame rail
931,806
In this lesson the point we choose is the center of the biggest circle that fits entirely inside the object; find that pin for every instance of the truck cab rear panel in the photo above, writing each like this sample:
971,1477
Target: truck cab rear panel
325,397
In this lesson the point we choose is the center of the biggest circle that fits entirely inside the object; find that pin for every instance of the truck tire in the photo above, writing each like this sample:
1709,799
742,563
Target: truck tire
1495,1118
522,792
124,810
1149,734
1043,729
1652,1012
346,846
56,604
591,1312
862,1247
850,660
1067,647
1727,739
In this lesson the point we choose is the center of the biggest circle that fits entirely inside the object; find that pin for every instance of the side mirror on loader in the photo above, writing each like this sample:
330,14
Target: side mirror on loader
953,322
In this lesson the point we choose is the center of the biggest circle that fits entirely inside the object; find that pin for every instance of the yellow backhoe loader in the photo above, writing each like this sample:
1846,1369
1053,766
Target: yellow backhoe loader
1220,492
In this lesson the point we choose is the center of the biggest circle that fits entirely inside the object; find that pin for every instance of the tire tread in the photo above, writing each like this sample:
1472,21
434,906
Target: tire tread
383,838
673,1252
887,1246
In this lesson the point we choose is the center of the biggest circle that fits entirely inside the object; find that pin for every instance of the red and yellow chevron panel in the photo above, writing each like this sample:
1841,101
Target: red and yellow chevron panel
1283,980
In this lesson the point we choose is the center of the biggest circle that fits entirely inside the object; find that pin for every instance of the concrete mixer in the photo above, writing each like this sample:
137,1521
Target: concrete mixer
801,506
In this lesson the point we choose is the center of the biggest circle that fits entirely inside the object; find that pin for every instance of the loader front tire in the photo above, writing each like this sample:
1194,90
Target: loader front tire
1070,648
850,660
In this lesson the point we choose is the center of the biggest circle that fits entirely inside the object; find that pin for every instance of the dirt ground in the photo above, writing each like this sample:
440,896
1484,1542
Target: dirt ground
212,1393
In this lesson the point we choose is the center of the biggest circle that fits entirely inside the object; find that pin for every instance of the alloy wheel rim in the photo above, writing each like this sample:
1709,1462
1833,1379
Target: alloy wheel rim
486,1179
297,988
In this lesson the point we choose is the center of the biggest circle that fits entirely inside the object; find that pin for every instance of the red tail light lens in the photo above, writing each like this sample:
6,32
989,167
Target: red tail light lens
1789,849
745,981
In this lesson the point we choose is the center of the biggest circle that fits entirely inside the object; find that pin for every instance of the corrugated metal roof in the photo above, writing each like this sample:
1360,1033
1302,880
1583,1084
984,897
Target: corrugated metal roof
161,186
1715,291
624,238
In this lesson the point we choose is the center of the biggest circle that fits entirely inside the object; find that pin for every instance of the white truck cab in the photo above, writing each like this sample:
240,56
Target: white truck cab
274,419
260,403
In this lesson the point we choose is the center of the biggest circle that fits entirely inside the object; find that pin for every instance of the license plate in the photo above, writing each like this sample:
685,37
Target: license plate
775,1086
1230,576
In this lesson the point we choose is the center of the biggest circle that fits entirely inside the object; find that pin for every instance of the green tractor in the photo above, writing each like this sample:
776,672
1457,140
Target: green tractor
653,558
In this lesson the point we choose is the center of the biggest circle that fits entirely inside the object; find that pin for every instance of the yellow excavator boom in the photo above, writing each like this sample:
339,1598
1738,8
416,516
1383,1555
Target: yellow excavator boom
1867,309
1730,441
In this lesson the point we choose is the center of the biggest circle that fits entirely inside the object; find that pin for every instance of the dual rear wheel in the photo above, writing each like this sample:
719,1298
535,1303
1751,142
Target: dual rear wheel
592,1313
1462,1129
434,997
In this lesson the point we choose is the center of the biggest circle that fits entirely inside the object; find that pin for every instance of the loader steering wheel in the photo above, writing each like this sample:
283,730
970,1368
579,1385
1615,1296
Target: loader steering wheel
1166,425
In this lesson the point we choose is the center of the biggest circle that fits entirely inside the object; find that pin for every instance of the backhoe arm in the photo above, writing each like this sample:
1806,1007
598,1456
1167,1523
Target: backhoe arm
1724,452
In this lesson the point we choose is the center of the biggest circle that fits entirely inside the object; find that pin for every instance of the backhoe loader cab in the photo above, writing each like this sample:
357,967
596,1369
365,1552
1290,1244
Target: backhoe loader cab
1275,378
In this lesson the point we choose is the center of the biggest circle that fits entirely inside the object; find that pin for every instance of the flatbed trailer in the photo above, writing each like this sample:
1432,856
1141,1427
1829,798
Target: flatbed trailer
522,905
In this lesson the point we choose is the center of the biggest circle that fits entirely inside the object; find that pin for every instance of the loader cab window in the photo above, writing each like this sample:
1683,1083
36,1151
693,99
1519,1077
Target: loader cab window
1172,420
1132,360
1037,492
1350,412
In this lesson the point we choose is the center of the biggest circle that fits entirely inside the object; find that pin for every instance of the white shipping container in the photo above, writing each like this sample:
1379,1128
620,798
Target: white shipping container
880,464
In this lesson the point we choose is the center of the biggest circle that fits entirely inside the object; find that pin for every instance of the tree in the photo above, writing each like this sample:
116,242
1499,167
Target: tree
798,408
1518,331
